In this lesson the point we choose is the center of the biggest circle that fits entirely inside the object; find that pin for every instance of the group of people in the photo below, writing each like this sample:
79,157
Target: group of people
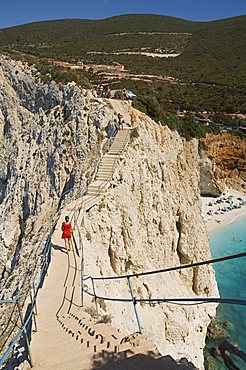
132,119
103,91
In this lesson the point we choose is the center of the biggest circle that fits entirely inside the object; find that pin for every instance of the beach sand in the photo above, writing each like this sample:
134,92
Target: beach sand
212,209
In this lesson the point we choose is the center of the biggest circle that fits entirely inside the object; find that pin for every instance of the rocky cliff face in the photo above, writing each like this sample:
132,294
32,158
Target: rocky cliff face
228,160
48,145
151,219
209,186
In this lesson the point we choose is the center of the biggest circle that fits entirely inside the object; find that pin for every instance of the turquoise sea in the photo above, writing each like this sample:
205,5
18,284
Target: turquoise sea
231,278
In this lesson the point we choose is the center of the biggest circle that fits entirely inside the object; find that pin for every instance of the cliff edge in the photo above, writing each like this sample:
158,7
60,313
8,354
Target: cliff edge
150,219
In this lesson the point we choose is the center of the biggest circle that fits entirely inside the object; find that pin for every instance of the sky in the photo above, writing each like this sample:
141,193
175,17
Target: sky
14,12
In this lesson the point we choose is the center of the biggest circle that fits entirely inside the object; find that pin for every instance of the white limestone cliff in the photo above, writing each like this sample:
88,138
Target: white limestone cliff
49,144
151,219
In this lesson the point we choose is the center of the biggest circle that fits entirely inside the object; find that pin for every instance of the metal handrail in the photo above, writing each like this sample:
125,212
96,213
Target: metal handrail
153,272
2,301
22,330
43,267
241,302
175,300
41,270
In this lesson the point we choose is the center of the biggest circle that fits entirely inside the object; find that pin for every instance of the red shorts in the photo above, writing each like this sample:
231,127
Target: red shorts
66,230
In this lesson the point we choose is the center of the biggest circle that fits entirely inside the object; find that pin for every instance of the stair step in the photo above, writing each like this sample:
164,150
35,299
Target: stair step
105,170
104,177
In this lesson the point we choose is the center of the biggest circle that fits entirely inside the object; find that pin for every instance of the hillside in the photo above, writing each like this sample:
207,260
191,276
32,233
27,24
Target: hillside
205,47
185,65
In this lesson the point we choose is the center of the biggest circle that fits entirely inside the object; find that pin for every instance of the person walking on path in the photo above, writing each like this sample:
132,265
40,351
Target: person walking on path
67,232
133,119
120,121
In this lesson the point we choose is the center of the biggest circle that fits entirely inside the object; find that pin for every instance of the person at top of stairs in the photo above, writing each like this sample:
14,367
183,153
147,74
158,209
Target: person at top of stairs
67,232
133,119
120,121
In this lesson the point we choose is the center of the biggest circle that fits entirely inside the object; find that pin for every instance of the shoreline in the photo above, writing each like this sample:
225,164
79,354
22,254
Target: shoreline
212,209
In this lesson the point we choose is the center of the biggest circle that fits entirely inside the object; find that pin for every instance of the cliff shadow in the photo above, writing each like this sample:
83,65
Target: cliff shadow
148,361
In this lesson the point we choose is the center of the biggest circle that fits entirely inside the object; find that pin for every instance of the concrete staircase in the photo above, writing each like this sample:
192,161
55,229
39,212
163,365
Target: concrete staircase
106,169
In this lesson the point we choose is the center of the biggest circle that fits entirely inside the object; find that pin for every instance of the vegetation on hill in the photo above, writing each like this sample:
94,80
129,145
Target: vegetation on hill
48,71
213,52
210,69
179,97
185,126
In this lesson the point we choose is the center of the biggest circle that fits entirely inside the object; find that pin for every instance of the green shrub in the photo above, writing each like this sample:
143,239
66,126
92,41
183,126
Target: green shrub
148,105
101,206
202,146
140,105
88,235
134,133
238,133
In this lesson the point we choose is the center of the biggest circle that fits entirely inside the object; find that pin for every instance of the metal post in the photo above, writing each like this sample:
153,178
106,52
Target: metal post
25,333
35,302
134,304
94,292
33,312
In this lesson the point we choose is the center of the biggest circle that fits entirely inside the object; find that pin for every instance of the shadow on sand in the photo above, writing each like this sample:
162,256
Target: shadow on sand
119,361
59,248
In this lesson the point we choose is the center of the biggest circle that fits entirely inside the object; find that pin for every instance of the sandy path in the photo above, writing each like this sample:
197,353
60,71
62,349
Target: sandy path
68,337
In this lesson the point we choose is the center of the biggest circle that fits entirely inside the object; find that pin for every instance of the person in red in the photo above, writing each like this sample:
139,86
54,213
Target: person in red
67,232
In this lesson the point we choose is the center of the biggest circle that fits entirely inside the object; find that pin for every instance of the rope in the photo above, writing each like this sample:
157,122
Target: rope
182,300
196,264
240,302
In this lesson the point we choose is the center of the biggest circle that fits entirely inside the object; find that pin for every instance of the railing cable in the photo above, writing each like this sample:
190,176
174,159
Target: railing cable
196,264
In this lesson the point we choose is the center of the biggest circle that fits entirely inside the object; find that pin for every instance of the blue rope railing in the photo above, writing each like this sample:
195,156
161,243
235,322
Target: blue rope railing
34,288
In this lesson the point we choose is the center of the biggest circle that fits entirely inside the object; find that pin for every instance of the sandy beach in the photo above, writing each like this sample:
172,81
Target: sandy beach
223,210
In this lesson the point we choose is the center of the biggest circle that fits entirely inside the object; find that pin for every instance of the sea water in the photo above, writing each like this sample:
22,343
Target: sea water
231,279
